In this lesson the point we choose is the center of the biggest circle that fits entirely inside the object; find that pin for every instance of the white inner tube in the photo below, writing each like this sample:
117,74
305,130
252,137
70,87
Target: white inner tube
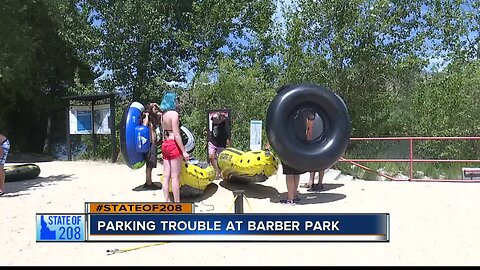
190,143
187,138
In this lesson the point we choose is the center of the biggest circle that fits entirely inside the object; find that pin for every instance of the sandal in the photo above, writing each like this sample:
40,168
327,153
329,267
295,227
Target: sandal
305,185
316,187
1,193
288,202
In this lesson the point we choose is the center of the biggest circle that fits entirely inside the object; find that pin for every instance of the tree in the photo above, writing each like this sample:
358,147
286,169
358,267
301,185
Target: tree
37,66
360,49
245,91
143,40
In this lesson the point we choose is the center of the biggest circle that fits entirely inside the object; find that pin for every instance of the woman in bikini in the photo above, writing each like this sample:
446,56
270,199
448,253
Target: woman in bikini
173,149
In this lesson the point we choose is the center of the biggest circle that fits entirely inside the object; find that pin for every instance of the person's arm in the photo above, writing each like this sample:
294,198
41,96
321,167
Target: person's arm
309,130
229,133
176,134
145,119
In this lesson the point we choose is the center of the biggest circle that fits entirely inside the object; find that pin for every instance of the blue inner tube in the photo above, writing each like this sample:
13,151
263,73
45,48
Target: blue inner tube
130,120
135,139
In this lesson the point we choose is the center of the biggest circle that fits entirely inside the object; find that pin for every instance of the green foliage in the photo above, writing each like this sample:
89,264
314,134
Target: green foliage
36,68
99,148
446,105
359,49
454,27
141,41
232,55
244,91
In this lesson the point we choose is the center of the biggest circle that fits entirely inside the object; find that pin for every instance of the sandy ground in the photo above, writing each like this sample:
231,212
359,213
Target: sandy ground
431,223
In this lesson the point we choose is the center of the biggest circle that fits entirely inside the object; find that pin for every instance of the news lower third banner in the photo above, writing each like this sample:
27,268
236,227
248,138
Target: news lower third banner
177,222
239,227
138,208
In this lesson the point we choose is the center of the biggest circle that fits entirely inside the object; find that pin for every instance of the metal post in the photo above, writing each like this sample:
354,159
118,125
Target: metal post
112,128
68,147
208,135
94,143
411,159
238,201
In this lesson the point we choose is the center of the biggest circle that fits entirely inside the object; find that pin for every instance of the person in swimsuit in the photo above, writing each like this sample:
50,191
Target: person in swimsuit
151,119
321,173
5,147
173,149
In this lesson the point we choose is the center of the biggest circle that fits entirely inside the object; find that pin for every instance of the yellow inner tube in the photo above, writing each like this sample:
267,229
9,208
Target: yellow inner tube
194,176
248,164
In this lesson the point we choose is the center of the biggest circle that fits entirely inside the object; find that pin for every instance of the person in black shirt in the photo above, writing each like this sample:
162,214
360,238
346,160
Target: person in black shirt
219,138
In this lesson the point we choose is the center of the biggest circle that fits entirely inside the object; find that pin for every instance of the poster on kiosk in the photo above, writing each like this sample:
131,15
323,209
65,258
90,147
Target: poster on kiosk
255,135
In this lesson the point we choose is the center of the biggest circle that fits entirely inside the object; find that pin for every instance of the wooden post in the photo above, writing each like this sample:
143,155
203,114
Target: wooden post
68,146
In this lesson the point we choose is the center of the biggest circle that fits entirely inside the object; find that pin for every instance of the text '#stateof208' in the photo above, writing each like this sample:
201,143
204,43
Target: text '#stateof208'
151,208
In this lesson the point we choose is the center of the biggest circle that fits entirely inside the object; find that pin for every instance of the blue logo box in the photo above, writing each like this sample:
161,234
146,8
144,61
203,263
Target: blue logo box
60,227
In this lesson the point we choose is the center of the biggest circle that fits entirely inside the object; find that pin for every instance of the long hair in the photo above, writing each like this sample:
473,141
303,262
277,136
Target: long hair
152,116
169,102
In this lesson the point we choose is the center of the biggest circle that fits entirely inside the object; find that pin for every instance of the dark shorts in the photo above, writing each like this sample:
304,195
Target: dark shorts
289,170
152,156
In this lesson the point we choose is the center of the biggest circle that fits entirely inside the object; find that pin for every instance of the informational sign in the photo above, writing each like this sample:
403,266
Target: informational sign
81,119
255,135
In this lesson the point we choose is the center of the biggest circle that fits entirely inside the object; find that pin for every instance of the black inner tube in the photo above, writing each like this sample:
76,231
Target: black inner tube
286,126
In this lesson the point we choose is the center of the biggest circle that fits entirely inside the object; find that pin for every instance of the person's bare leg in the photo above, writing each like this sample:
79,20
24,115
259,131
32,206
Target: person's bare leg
297,194
2,173
2,179
175,172
296,177
213,161
166,180
148,176
217,153
291,187
311,180
217,169
320,179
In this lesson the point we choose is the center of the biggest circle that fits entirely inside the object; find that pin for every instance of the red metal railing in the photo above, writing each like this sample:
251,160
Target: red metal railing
412,160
